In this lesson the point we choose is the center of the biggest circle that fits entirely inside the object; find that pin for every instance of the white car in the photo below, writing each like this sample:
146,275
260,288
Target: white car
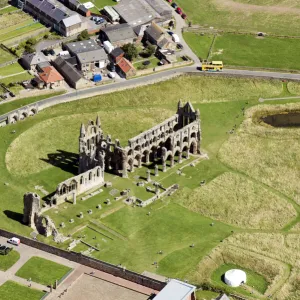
111,75
15,241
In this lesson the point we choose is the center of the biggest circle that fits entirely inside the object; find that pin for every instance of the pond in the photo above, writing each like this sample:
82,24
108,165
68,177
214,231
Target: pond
285,119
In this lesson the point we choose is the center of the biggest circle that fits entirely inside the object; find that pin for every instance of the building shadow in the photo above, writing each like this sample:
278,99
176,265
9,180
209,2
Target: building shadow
67,161
14,216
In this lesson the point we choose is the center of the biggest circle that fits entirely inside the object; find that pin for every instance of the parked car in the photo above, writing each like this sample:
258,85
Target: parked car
170,1
174,5
51,51
179,10
15,241
46,52
111,75
179,46
183,16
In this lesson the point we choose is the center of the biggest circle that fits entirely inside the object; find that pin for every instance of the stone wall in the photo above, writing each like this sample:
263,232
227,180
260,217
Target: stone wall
90,262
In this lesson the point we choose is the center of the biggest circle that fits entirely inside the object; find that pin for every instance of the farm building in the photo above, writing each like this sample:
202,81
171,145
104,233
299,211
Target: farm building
125,68
48,13
177,290
30,61
111,13
71,75
118,35
89,54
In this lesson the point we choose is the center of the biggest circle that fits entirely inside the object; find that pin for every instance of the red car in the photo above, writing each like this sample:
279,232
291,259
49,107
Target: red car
170,1
184,16
179,10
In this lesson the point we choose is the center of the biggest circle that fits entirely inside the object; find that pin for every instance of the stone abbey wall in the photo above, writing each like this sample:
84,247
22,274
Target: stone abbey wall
177,136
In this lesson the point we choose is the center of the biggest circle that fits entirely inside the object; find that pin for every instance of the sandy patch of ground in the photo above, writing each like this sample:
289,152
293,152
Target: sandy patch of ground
89,287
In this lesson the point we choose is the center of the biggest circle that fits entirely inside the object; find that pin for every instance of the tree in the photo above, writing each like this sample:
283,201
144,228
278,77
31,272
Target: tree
29,48
31,41
130,51
84,35
150,50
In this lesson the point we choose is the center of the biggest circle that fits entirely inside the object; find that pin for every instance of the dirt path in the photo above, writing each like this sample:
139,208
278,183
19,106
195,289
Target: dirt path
243,7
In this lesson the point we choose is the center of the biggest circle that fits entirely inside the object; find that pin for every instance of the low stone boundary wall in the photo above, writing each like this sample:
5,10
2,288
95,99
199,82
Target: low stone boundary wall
90,262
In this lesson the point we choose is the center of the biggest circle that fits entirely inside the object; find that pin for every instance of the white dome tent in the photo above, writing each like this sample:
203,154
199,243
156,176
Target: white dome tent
235,277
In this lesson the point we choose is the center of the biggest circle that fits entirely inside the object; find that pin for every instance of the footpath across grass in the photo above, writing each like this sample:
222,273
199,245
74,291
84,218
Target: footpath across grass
7,261
42,271
11,290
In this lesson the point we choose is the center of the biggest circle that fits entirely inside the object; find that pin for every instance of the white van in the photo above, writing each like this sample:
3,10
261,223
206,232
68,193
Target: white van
175,38
15,241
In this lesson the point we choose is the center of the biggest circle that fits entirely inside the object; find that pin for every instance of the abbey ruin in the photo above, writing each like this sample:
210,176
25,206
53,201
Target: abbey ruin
175,137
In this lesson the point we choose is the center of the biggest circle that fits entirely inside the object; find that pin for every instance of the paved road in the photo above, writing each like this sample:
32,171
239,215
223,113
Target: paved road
152,78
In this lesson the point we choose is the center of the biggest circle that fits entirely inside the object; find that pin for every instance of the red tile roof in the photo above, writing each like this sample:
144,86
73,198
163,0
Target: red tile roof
50,75
125,65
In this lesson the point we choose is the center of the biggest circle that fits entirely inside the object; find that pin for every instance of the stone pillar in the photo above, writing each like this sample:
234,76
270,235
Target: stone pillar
156,170
164,166
147,158
139,162
51,288
180,157
172,162
187,154
124,165
156,188
148,176
74,198
132,168
56,284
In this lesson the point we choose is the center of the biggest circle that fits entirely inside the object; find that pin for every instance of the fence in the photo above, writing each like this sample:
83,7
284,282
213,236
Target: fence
90,262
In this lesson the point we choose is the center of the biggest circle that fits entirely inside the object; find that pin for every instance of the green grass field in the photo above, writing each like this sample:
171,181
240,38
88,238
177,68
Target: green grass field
126,234
9,106
5,56
254,280
42,271
8,10
14,291
229,15
100,4
11,69
7,261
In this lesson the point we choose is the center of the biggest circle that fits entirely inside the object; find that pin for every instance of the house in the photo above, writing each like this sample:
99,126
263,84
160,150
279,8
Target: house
71,25
71,75
89,54
125,68
50,14
37,82
155,35
177,290
72,4
116,54
30,61
118,35
51,77
111,13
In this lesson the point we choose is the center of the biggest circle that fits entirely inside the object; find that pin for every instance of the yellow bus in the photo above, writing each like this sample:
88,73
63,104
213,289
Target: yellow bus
213,66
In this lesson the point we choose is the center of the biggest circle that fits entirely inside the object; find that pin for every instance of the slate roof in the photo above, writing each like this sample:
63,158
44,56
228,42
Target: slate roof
72,20
50,75
83,46
91,56
35,58
222,297
119,32
116,52
49,9
82,9
154,31
67,70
